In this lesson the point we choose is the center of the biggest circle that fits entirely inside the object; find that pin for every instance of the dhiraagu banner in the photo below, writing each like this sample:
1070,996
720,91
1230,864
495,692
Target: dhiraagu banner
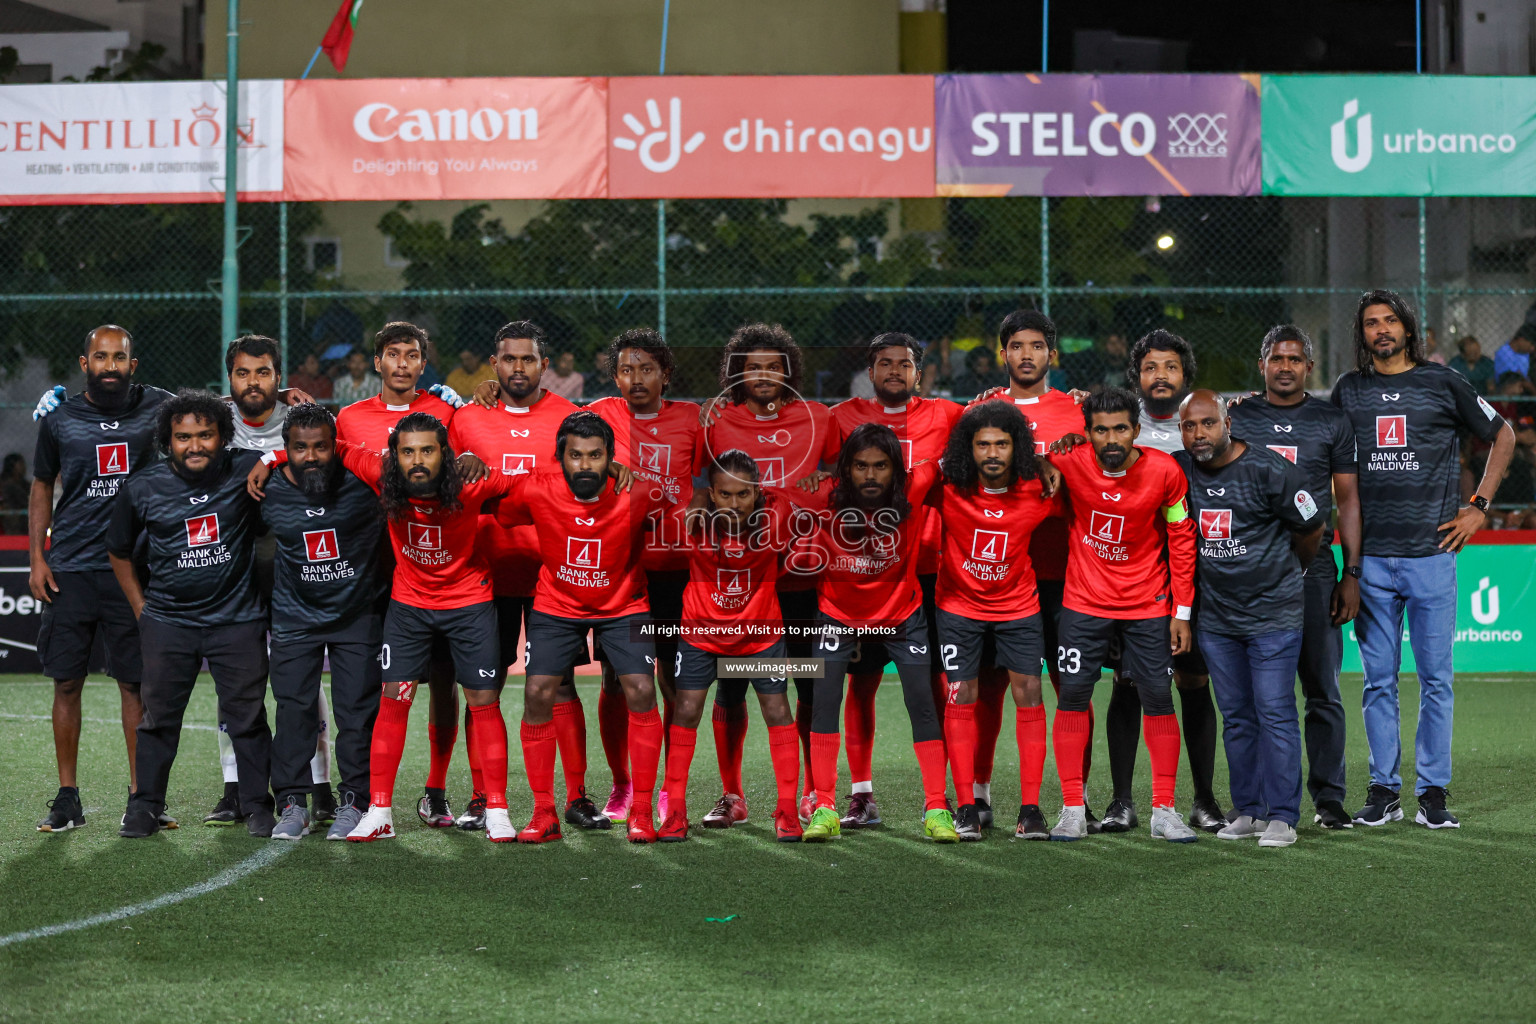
1398,135
1495,612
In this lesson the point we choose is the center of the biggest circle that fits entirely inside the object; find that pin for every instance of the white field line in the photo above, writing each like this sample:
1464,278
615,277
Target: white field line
98,721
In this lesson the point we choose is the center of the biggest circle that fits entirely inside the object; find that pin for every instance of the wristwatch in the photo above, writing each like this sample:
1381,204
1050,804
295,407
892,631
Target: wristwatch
1479,502
1352,570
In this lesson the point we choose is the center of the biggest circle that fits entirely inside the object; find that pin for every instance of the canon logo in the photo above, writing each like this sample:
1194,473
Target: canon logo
380,122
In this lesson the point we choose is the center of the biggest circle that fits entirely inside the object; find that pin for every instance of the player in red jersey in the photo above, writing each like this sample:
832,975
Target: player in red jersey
400,356
733,541
922,425
866,550
591,538
660,440
763,414
991,508
1132,574
1026,341
516,435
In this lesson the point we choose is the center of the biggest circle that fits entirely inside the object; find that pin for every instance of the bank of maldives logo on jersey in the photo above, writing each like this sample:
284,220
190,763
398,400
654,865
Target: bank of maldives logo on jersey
1105,527
1216,523
583,552
656,458
733,582
513,464
320,546
425,536
202,530
989,546
112,459
1392,431
1287,451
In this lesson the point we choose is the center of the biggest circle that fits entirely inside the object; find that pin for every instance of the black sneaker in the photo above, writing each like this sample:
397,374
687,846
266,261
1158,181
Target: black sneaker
968,824
227,810
138,823
983,813
1119,816
64,812
1381,806
261,823
583,813
1332,815
1031,824
1207,816
1432,812
473,818
1090,817
322,803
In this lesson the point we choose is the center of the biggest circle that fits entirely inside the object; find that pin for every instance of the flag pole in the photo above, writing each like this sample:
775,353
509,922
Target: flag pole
230,291
311,65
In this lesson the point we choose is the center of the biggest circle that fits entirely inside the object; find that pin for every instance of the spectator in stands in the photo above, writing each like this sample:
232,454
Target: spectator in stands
980,374
562,378
431,376
308,378
598,382
1432,346
472,369
1515,355
1473,365
15,488
935,371
1519,484
358,382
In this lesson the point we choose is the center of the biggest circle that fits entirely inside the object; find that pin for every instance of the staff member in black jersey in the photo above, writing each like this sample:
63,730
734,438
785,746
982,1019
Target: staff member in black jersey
85,450
1408,414
201,601
1257,526
327,595
1318,438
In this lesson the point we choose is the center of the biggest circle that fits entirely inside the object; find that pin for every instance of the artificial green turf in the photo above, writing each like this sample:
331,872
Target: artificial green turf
1391,924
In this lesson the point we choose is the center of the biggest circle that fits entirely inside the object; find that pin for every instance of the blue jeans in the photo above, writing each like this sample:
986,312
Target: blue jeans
1254,679
1426,589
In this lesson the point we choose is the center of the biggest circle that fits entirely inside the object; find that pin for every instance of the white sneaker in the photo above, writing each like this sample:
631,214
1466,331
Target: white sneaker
498,825
1071,826
1166,824
1278,834
1244,826
378,823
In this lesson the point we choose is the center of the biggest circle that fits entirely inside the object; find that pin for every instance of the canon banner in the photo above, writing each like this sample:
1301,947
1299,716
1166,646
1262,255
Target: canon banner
447,138
1097,135
160,142
775,136
1399,135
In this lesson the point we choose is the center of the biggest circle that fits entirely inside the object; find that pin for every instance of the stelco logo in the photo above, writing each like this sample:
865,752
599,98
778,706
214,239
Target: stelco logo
1057,134
380,122
1416,141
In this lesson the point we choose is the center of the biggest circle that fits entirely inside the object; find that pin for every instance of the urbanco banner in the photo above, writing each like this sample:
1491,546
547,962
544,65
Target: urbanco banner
1097,135
1399,135
148,142
801,136
447,138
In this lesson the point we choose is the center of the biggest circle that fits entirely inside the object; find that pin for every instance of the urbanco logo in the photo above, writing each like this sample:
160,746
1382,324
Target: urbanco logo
671,135
1486,613
1340,139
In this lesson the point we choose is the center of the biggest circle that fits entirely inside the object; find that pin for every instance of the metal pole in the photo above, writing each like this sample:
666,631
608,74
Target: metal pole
230,293
661,204
1045,202
282,283
1418,69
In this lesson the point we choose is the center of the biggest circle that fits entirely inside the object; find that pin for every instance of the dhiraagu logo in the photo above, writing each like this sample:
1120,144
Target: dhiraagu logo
1341,158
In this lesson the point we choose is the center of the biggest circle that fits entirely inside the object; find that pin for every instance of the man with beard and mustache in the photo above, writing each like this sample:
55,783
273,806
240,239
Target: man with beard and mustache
201,601
1257,528
85,450
591,539
1408,414
515,436
1131,579
327,598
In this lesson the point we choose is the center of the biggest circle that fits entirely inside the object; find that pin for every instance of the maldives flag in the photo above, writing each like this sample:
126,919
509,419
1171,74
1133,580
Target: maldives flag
338,38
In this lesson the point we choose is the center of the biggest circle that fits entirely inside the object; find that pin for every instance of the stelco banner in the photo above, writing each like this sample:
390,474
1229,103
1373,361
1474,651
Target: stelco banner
801,136
1399,135
1097,135
447,138
147,142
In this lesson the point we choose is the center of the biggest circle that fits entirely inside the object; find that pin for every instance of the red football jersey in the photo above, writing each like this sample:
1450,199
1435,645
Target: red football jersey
730,606
1051,416
437,564
869,576
370,422
922,426
663,449
1131,535
986,572
590,550
512,440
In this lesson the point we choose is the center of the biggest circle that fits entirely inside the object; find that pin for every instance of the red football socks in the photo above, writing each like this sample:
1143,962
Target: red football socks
784,749
960,740
571,740
645,736
387,746
613,727
859,726
539,763
1162,736
992,690
1030,725
824,767
680,744
730,725
442,754
1070,735
930,760
476,778
488,744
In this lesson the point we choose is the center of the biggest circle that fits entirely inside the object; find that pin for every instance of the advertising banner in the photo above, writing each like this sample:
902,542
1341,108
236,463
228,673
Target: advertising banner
1399,135
1097,135
447,138
145,142
801,136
